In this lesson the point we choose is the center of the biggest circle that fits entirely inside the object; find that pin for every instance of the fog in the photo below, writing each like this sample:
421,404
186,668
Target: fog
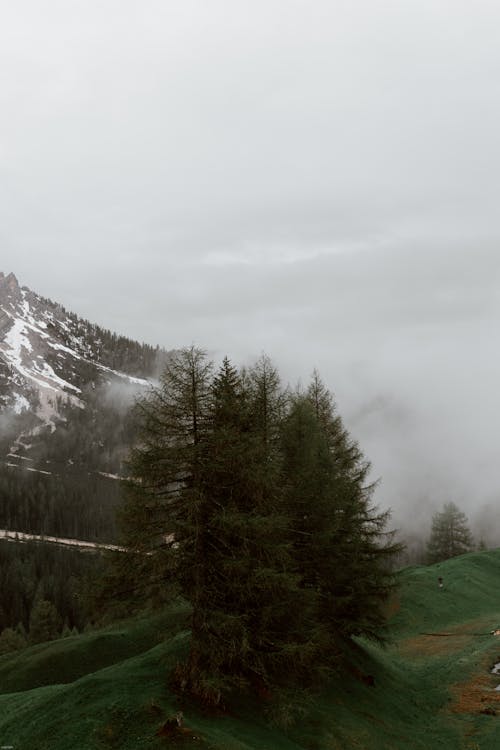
314,180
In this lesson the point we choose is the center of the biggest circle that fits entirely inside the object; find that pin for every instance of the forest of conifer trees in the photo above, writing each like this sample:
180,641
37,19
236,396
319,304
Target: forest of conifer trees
247,499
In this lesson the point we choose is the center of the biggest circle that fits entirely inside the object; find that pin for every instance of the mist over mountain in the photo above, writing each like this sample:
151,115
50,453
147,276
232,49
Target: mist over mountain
66,391
67,387
48,354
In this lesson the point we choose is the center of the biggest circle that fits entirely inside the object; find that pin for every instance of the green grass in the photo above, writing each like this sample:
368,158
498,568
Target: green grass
109,688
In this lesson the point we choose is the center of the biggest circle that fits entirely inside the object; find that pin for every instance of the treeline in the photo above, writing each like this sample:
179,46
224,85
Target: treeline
254,504
43,592
76,504
102,345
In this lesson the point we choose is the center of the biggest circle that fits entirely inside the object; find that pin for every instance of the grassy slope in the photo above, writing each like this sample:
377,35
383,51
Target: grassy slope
109,689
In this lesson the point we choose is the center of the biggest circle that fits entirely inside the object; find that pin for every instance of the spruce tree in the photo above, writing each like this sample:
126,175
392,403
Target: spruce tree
450,534
307,479
356,551
163,520
268,404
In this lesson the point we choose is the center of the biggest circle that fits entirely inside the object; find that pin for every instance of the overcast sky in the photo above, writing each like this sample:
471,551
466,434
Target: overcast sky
319,180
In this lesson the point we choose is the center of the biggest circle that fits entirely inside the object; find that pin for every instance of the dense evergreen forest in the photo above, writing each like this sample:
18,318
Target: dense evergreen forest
77,505
66,485
45,585
246,499
60,486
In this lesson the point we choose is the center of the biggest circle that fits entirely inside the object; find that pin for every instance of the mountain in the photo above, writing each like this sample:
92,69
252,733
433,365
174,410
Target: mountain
49,355
67,388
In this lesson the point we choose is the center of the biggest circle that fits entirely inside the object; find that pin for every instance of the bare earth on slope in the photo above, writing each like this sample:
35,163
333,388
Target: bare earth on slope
444,640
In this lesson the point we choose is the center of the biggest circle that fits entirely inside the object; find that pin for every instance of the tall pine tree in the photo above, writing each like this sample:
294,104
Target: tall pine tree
356,573
450,534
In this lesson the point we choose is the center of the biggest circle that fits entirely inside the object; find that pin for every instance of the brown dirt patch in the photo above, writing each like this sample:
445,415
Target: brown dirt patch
477,695
424,646
454,639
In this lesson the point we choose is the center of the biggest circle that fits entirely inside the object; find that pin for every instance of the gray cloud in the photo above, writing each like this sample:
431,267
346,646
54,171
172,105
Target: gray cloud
320,183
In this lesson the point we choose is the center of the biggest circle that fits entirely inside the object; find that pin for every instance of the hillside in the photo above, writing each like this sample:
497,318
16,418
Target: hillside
109,688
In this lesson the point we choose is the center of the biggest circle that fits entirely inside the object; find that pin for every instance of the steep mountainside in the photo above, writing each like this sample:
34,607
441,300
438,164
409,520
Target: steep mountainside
48,355
67,388
66,391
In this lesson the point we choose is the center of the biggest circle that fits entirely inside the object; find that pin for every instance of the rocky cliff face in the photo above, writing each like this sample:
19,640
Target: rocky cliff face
9,286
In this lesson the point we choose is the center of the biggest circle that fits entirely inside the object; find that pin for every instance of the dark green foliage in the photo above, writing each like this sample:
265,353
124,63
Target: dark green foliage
109,686
12,640
450,534
74,504
341,548
164,496
308,480
242,632
255,507
207,513
28,571
45,622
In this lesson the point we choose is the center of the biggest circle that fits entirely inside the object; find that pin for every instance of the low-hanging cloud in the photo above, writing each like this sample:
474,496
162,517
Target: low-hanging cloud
320,184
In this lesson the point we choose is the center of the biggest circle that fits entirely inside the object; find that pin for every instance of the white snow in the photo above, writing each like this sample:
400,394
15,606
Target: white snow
130,378
20,536
62,348
109,476
24,347
47,372
21,403
16,338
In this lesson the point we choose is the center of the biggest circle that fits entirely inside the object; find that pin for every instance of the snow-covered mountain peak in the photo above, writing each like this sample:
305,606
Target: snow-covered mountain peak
49,356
